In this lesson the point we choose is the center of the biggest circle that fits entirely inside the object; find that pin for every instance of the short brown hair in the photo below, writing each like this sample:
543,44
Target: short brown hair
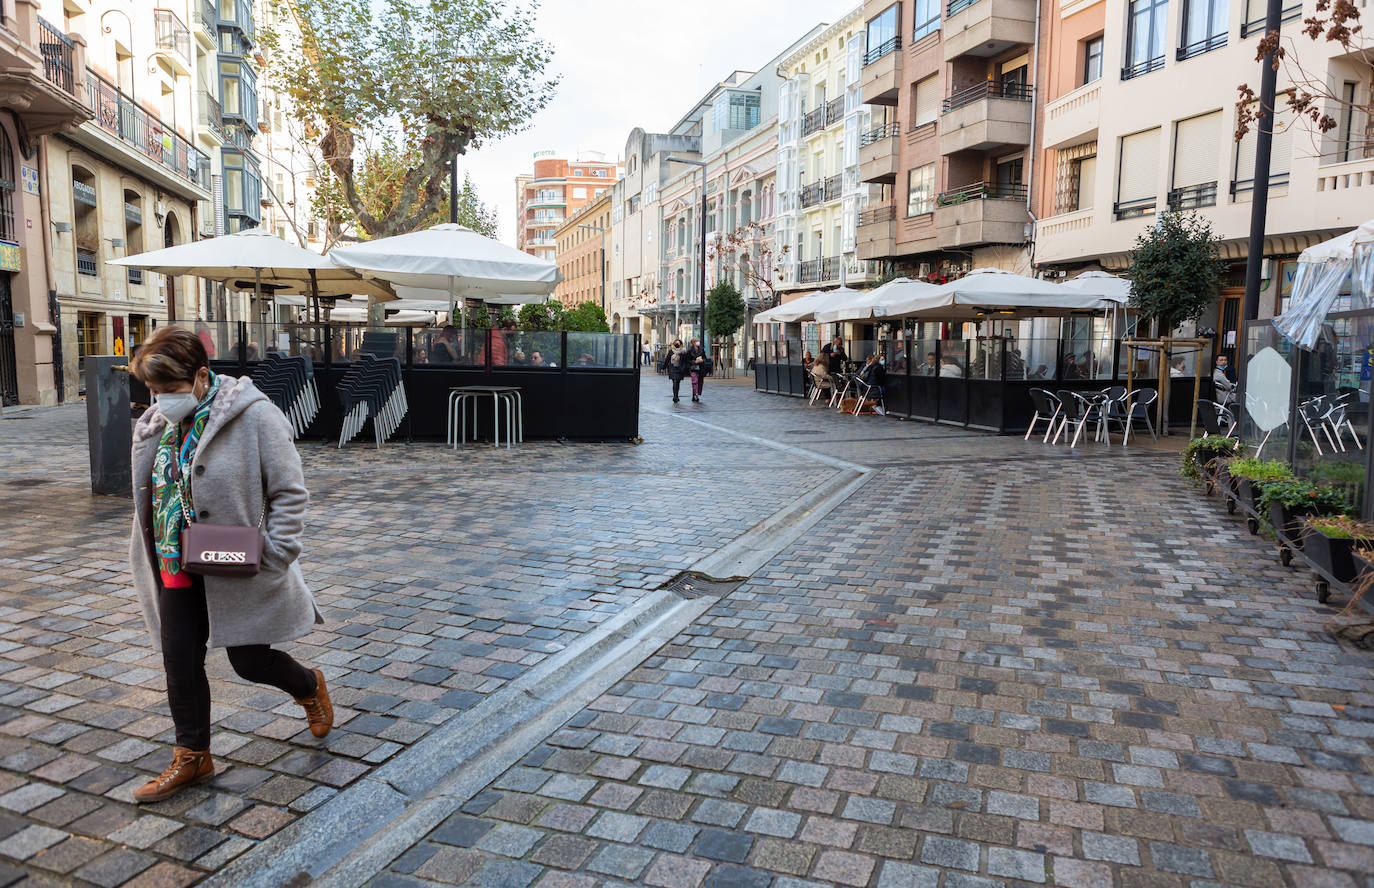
170,355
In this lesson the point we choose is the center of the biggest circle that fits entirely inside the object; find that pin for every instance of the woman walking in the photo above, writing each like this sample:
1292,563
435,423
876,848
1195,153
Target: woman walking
696,361
675,363
214,449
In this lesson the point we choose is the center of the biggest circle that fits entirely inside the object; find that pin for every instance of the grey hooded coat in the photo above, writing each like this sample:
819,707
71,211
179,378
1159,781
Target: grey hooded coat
246,458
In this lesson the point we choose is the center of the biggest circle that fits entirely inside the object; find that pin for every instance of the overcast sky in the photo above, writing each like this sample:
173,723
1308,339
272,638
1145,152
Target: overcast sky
628,63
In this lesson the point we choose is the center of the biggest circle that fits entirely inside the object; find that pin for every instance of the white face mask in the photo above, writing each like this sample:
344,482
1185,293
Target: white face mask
177,406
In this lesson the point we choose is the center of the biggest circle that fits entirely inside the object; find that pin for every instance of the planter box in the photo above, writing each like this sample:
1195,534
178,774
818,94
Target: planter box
1332,554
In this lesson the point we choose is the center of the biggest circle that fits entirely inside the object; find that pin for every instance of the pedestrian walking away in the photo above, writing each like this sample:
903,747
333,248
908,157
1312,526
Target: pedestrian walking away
675,363
699,366
215,449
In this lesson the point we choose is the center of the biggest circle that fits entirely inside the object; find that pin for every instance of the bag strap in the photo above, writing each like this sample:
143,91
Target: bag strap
187,513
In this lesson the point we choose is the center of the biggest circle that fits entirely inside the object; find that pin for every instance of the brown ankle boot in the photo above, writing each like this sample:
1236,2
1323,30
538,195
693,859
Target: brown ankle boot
318,709
188,768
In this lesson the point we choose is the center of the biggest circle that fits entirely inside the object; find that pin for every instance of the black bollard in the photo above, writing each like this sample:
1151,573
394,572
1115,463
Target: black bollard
109,424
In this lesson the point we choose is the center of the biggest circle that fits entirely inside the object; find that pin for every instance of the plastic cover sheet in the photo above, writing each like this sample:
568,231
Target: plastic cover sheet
1315,289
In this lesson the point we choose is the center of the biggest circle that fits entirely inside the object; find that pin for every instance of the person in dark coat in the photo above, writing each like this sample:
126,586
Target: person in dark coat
696,365
675,365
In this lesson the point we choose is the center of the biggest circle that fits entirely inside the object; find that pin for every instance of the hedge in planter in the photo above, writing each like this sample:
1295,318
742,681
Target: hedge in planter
1248,471
1328,542
1201,451
1281,503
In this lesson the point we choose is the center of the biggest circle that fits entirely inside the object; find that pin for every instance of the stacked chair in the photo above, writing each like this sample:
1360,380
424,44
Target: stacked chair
290,383
372,389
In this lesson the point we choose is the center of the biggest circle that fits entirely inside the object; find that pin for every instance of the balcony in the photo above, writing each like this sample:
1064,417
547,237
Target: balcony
813,122
1198,47
834,111
877,235
167,155
86,262
984,116
879,154
57,57
834,187
1140,69
208,19
1072,119
981,213
812,194
174,39
1194,197
210,117
545,202
987,27
818,271
37,65
882,74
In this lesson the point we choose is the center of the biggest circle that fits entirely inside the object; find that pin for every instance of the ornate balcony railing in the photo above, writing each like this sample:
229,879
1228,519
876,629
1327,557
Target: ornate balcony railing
118,114
1193,197
209,18
57,56
86,263
834,186
834,111
813,121
172,34
988,89
812,194
210,115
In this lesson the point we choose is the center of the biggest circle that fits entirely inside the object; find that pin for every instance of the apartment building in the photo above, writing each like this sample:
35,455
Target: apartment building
555,190
40,86
582,254
1140,114
821,116
952,91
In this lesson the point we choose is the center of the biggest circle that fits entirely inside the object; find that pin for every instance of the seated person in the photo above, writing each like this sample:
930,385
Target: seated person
873,373
586,360
930,367
951,367
537,360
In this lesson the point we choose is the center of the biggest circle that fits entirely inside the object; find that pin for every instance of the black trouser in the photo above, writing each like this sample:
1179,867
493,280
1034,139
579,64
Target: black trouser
185,630
677,382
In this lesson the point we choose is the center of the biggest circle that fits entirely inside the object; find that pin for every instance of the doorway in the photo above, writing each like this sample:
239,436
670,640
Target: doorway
9,366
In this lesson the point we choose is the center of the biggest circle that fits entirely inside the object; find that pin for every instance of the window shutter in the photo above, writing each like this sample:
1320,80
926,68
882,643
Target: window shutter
927,101
1138,174
1280,152
1197,143
1087,181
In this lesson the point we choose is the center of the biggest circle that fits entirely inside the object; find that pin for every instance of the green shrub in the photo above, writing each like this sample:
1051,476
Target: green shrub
1342,527
1296,493
1201,451
1252,469
1337,472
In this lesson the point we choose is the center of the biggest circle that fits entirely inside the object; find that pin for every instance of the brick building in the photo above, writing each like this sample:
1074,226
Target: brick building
582,254
555,190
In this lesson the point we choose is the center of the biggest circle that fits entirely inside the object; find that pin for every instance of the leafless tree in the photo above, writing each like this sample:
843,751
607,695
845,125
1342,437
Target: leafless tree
750,250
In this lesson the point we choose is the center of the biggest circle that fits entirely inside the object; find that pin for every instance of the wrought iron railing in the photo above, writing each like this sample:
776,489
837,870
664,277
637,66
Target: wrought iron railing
980,191
878,215
240,135
1198,47
834,187
86,262
210,115
1193,197
957,6
813,121
57,56
1244,186
1131,209
209,18
135,275
812,194
117,113
1256,26
988,89
886,131
834,111
1141,68
882,50
172,34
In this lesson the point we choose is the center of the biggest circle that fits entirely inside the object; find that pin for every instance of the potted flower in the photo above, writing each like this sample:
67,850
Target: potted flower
1246,471
1330,540
1202,455
1284,503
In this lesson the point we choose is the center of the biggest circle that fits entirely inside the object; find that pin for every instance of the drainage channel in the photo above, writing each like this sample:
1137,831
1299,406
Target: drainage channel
356,834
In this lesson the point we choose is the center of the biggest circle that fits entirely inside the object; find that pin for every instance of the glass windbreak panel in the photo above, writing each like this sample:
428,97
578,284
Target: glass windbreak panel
985,357
954,359
528,349
297,339
792,351
925,350
349,342
1265,418
599,351
449,346
220,338
1334,402
1089,351
895,351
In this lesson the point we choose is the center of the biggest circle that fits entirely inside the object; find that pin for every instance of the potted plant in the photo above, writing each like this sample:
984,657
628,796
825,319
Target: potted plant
1329,541
1201,458
1285,502
1245,471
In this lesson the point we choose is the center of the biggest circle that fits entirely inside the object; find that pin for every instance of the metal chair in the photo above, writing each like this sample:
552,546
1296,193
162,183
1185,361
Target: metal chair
1313,412
1048,408
1130,408
1337,420
1078,412
819,383
1215,419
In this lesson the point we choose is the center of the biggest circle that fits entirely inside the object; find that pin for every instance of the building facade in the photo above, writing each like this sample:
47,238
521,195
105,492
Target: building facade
954,108
582,255
1127,131
821,116
555,190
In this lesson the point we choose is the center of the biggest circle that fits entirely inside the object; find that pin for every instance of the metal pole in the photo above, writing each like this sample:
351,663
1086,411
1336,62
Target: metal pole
1259,202
704,345
603,272
453,192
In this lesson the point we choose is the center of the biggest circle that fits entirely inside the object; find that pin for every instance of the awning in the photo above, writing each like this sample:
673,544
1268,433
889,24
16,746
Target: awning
993,293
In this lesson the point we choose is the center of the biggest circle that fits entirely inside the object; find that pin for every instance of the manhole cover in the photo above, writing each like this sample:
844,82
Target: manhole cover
694,586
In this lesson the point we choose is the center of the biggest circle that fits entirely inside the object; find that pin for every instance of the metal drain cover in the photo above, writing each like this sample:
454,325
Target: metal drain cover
688,585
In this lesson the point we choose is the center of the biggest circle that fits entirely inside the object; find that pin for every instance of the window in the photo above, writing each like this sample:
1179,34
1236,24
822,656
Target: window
1204,27
920,193
1145,31
883,33
133,231
1345,127
1255,14
1137,173
88,336
579,193
736,111
651,192
927,15
927,100
1092,60
634,205
1009,175
1280,151
7,230
1086,169
1197,147
577,172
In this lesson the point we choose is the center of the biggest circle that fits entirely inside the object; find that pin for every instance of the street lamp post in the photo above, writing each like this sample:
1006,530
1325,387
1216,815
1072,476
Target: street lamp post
702,274
603,261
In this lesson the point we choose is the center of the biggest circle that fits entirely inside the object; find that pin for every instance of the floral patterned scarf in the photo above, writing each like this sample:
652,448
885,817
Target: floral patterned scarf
169,516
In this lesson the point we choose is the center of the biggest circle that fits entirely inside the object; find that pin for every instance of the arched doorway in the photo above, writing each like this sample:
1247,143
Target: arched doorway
171,236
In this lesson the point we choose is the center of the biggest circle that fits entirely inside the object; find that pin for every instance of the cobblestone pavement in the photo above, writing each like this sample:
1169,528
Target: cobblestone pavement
996,663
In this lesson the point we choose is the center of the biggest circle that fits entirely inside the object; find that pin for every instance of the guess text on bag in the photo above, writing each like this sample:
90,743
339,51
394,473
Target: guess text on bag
212,557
